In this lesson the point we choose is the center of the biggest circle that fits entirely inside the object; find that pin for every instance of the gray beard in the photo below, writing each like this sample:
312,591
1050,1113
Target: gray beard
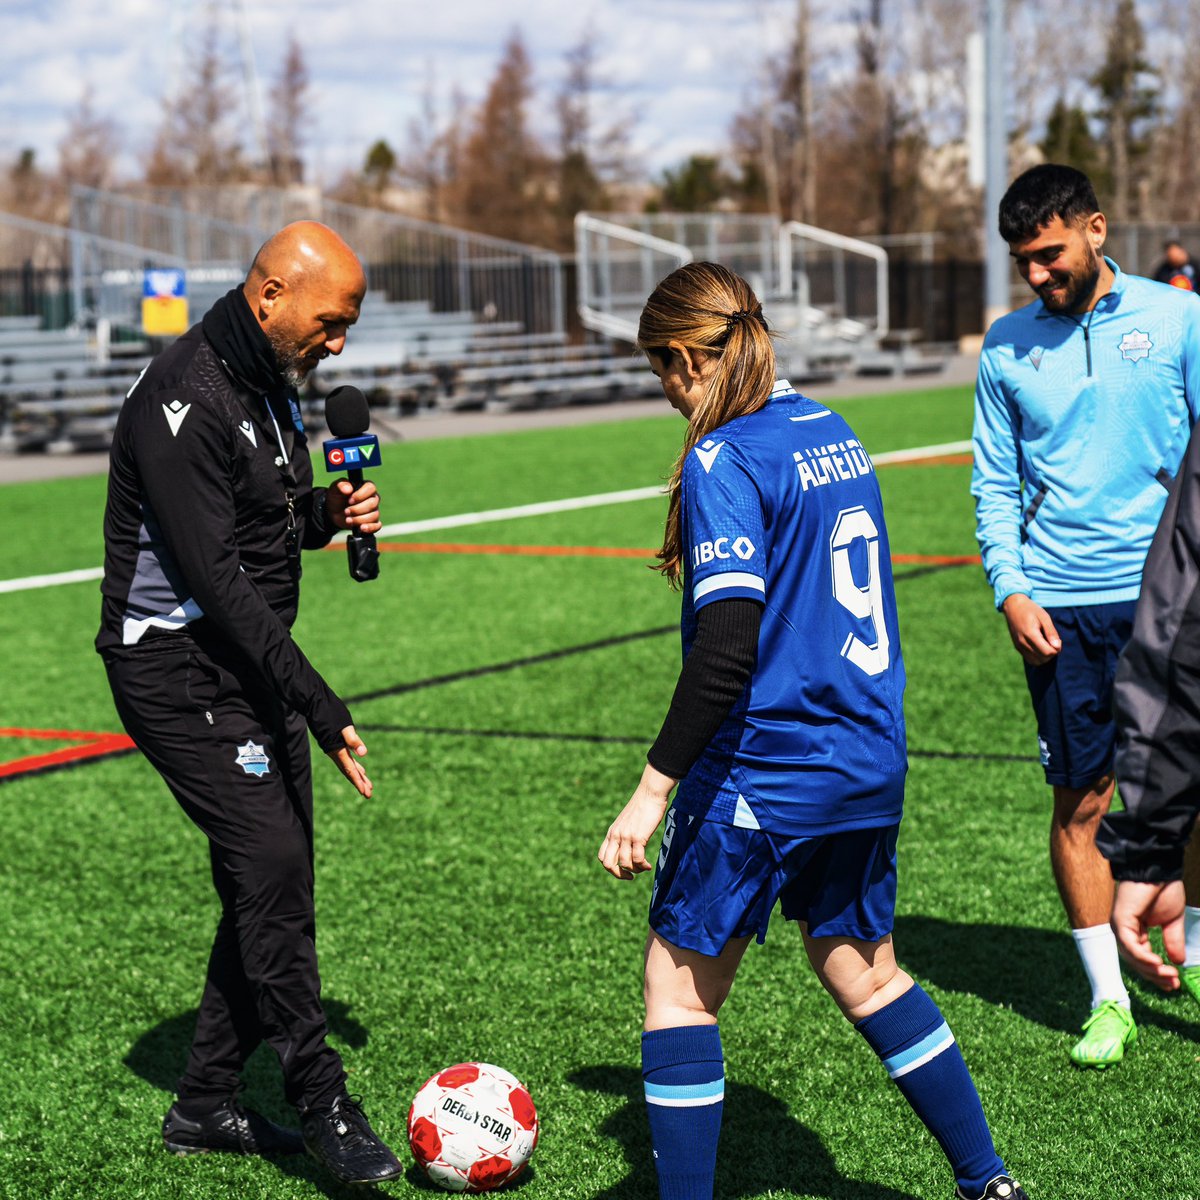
294,375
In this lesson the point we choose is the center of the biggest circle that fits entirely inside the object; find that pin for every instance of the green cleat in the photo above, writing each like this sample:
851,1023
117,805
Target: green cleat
1106,1033
1190,978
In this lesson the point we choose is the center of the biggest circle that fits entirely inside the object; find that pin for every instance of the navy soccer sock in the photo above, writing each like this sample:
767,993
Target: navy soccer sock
683,1070
912,1038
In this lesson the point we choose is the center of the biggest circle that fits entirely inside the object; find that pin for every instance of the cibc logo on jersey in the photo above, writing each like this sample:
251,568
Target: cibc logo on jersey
723,547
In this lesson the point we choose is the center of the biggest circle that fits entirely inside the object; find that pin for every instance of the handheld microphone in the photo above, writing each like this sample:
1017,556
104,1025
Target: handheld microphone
350,449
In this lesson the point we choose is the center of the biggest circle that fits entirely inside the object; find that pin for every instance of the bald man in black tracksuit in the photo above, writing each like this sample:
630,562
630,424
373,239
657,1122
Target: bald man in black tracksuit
210,503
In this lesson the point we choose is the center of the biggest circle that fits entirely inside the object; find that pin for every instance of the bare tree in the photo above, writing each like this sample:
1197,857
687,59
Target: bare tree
592,156
501,179
289,102
424,159
87,152
1126,102
774,136
197,140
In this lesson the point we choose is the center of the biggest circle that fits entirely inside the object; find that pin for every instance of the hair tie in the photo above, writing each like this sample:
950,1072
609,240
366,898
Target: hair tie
743,314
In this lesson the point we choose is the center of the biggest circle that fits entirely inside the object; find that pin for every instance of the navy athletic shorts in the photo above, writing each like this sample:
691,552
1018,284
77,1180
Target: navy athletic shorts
1073,693
715,882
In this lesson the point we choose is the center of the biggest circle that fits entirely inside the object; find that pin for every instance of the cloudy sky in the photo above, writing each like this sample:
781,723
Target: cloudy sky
681,65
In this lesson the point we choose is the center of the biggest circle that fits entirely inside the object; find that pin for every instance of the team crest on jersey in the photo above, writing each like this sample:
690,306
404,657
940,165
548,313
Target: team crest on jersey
1135,346
1036,354
253,759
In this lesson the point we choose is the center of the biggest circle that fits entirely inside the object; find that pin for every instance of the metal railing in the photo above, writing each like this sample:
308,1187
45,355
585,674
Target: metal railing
827,271
103,270
791,267
618,267
408,259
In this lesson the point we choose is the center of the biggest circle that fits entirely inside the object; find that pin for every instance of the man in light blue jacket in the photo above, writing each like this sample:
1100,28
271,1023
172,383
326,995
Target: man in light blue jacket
1083,407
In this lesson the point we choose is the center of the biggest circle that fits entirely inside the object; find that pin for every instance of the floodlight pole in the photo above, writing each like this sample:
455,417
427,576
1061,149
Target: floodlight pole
996,272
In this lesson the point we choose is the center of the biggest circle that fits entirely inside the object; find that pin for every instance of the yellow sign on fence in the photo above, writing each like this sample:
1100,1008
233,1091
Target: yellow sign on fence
164,303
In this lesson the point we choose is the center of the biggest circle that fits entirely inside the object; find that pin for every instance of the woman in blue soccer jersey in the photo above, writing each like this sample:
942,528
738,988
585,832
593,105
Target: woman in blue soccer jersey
785,736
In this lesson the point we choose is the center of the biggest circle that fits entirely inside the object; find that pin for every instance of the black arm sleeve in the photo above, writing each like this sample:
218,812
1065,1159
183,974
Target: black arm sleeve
318,528
714,676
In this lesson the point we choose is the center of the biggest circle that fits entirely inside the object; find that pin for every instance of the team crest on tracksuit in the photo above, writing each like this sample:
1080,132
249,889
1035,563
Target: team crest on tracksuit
253,759
1135,346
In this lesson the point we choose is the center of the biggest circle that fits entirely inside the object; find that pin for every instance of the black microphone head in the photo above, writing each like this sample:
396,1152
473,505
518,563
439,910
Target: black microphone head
346,412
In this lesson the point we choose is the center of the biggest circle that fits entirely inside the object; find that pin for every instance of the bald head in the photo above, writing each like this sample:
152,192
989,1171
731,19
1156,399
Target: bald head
301,251
305,288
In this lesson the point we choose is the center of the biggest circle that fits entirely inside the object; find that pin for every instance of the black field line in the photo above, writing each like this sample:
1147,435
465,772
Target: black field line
933,569
508,734
512,665
529,661
542,735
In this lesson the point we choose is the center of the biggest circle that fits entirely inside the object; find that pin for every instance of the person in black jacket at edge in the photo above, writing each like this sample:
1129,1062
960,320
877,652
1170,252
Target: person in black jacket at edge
1156,701
210,502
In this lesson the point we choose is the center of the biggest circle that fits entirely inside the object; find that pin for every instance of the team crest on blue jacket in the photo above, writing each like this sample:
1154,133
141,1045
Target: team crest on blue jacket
1135,346
253,759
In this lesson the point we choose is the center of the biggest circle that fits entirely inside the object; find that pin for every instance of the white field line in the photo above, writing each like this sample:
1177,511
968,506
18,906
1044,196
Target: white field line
544,508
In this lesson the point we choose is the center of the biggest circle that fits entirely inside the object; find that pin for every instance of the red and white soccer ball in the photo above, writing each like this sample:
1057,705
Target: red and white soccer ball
472,1127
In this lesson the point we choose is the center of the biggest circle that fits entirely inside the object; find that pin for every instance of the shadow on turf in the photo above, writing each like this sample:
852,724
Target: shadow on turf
763,1148
1034,972
158,1057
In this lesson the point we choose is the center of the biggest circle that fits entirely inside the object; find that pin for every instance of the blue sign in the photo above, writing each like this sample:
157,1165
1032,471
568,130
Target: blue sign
164,281
351,454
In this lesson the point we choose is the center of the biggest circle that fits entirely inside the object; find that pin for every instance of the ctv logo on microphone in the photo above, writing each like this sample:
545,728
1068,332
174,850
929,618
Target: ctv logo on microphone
351,454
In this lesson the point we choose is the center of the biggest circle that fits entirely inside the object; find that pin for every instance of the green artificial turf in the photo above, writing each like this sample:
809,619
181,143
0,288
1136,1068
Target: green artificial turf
461,913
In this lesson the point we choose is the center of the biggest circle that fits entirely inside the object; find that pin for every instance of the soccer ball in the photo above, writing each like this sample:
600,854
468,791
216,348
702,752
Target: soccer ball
472,1127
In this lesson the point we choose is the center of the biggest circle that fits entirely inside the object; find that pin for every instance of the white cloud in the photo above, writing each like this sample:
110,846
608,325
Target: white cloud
681,65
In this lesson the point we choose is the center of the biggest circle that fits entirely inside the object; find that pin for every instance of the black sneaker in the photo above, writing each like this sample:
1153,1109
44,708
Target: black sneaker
1003,1187
230,1128
340,1138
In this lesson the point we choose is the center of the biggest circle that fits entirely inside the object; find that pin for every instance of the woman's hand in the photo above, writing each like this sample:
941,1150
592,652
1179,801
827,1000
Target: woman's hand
623,851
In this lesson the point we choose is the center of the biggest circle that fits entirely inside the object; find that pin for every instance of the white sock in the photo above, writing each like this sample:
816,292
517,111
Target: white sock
1097,946
1191,936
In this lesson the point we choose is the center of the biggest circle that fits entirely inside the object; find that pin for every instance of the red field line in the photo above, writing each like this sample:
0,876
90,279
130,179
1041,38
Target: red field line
532,551
938,460
939,560
88,745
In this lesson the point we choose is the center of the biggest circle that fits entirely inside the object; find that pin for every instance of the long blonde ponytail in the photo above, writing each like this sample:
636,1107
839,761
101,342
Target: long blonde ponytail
706,307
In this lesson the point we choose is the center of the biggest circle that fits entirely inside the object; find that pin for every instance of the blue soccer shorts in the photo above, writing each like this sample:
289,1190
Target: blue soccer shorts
715,882
1073,693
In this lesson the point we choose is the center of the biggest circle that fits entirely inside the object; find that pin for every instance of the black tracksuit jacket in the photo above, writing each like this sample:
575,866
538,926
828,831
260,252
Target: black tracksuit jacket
196,525
1156,698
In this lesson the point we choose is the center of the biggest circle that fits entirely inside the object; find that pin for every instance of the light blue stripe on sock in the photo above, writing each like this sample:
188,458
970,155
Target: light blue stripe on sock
915,1056
686,1095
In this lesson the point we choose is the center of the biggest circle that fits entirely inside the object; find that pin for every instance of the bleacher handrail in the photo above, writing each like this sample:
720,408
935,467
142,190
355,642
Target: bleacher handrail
595,308
790,231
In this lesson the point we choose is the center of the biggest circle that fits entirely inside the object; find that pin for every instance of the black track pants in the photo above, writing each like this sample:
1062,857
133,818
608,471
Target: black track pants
239,766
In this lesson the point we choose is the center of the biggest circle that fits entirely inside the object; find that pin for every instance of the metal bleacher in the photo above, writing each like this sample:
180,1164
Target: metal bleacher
452,320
